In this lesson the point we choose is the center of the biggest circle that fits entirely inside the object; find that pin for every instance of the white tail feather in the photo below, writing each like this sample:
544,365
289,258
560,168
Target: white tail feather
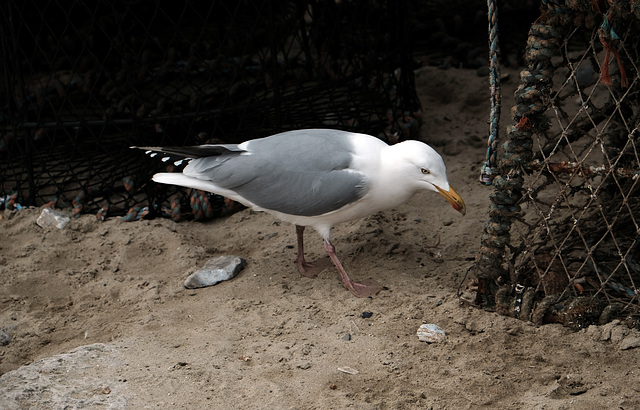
176,178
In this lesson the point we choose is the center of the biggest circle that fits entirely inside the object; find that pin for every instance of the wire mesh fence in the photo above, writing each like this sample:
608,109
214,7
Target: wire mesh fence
83,81
562,242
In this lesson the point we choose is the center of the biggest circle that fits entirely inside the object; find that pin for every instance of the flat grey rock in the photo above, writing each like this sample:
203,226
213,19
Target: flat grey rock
214,271
83,378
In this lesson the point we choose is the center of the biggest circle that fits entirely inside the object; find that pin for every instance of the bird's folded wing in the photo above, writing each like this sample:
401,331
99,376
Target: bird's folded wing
284,183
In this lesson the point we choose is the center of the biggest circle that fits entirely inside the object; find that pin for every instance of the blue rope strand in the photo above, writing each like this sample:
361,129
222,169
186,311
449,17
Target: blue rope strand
488,172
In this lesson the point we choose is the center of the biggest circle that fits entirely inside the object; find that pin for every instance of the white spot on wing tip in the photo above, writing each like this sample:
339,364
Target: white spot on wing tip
148,152
165,159
153,154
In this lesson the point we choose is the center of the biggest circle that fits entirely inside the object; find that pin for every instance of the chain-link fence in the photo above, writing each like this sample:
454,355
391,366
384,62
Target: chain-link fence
83,81
562,242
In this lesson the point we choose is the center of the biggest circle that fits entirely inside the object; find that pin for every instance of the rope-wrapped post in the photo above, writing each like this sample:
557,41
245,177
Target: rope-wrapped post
516,159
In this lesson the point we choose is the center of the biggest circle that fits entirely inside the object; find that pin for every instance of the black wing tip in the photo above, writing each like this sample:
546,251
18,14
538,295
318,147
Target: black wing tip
164,156
191,152
147,148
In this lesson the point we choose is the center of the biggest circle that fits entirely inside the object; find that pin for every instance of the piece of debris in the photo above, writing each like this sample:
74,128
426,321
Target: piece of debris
215,270
431,333
52,217
348,370
366,315
5,338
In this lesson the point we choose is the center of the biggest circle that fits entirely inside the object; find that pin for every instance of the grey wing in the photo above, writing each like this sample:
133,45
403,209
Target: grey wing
306,181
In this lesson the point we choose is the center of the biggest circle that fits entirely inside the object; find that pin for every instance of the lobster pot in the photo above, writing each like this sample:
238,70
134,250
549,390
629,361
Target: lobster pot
562,241
84,81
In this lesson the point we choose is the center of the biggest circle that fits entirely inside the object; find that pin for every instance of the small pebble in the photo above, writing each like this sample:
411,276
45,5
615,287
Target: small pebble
483,71
586,76
366,315
346,337
431,333
215,270
5,338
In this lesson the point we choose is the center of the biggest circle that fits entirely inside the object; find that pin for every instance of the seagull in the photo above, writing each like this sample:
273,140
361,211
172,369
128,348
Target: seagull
316,178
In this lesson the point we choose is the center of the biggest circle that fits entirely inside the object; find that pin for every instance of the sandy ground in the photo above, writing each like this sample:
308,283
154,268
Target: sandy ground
271,339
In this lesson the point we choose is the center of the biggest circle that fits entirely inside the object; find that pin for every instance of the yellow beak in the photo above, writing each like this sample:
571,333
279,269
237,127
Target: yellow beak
453,198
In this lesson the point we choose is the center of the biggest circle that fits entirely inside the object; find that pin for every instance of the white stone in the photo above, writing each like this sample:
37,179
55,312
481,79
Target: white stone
52,217
431,333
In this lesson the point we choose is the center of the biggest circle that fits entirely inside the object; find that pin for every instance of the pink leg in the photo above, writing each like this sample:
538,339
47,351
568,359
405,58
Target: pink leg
310,270
361,290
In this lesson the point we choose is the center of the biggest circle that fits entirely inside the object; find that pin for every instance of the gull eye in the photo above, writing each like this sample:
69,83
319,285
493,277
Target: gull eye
425,171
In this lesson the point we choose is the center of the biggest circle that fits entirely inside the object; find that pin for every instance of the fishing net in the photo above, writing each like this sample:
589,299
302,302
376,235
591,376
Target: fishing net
562,241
